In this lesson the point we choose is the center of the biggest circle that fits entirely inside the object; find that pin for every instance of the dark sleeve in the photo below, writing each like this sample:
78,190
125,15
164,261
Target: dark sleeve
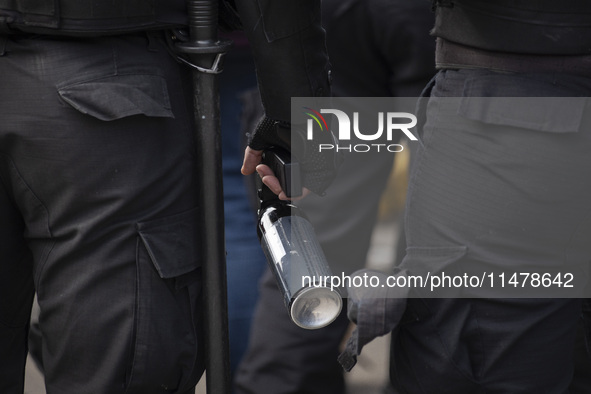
401,32
379,48
288,45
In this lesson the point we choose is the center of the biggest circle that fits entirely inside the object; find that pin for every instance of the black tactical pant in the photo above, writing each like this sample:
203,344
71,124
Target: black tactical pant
97,214
505,187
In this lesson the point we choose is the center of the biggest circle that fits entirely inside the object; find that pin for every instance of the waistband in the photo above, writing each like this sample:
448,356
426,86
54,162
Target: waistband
450,55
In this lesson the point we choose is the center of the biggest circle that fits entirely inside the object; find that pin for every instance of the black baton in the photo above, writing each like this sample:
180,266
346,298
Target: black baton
205,52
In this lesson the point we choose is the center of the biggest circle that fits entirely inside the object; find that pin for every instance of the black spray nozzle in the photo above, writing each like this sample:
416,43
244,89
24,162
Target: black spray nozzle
286,170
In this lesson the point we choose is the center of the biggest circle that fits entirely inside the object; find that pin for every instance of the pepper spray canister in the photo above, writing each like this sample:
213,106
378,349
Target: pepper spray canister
293,253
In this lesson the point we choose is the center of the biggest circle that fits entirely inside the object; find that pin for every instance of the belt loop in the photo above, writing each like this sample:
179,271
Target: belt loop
3,40
152,41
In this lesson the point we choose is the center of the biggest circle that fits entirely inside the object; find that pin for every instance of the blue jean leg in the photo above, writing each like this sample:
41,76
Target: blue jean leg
245,260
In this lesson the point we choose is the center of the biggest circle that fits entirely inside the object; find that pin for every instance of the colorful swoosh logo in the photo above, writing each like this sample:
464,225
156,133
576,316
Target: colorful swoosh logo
317,117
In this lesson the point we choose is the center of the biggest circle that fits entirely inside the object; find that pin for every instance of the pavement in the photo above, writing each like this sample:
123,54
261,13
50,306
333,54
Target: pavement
369,376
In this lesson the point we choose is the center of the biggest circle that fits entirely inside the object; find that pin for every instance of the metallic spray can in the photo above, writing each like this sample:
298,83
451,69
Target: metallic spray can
293,252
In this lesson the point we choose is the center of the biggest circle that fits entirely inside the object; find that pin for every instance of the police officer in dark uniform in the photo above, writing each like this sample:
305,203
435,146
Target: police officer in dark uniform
97,184
377,48
500,186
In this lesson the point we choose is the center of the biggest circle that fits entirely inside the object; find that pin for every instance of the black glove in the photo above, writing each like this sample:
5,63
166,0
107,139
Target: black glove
376,311
318,168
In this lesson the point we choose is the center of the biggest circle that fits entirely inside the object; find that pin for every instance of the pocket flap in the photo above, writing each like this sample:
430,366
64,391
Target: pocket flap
119,96
509,102
171,243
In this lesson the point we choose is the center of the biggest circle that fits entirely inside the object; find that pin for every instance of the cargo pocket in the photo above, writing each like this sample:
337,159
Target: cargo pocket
118,96
427,341
167,346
